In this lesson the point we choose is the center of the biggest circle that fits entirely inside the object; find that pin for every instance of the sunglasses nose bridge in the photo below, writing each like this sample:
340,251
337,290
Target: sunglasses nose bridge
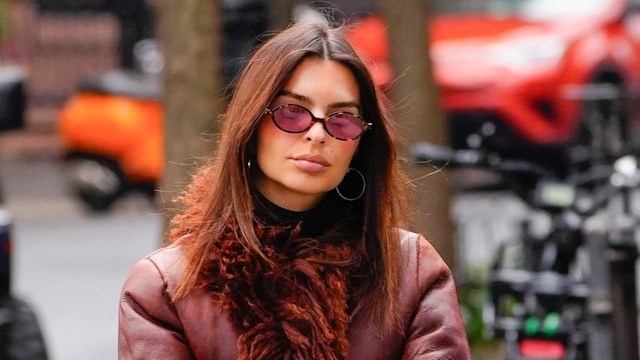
316,129
315,119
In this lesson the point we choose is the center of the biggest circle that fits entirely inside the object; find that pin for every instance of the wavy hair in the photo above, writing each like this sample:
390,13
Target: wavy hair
222,190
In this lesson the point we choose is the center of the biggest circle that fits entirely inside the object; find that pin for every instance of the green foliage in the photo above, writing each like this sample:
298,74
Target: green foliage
473,294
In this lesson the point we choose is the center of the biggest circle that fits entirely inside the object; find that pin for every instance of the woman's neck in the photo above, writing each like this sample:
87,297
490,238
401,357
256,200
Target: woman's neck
315,220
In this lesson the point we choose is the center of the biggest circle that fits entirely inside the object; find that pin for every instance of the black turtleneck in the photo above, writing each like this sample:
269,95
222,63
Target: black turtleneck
315,221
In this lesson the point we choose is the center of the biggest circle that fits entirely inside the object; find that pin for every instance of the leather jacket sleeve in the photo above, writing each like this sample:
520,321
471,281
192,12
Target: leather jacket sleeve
149,327
436,330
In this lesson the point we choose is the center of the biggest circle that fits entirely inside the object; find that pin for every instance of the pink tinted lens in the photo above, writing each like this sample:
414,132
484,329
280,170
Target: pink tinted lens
292,118
344,126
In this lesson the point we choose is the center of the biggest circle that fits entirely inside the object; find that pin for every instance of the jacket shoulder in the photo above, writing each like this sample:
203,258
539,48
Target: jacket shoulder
149,323
170,263
156,275
419,252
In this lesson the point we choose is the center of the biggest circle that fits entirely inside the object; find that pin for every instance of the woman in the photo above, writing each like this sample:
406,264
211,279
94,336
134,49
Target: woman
289,244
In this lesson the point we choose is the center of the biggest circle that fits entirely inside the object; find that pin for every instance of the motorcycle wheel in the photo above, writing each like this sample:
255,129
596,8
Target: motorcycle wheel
20,334
97,182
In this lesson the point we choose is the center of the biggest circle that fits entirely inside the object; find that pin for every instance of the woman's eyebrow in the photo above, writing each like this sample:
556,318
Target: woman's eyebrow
306,99
342,104
294,95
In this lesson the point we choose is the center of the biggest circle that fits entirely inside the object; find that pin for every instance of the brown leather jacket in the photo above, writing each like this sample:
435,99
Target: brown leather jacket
152,327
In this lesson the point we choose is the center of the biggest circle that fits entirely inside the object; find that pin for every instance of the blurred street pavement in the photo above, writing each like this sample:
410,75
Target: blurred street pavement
69,264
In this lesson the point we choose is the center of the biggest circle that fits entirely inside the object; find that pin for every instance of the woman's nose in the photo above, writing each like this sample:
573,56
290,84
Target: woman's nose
316,132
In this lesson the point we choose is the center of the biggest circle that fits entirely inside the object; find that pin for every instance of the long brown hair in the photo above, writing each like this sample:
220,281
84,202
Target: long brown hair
223,189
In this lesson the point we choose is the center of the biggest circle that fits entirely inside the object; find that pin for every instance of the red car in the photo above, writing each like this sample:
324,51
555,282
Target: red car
521,66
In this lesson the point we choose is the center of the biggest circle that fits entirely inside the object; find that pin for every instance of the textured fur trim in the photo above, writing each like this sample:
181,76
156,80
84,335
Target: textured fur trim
294,308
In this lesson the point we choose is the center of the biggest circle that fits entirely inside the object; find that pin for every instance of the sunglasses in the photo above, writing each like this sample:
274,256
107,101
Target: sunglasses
295,119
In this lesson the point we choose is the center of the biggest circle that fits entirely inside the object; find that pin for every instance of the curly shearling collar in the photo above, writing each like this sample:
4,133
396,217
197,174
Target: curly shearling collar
294,308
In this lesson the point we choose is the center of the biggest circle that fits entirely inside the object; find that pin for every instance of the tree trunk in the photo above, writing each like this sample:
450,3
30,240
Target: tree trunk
417,108
191,36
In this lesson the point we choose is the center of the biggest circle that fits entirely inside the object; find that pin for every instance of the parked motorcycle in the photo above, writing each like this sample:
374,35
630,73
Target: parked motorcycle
564,288
111,130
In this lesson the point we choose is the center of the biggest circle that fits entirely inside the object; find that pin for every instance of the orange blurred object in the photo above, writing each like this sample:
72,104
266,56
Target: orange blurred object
125,129
112,136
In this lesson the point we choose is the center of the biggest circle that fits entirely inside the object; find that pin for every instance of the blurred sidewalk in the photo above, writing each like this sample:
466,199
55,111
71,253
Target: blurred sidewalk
28,144
32,181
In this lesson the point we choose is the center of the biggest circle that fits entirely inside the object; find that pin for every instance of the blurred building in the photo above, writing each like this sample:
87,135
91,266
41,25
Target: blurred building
56,50
59,42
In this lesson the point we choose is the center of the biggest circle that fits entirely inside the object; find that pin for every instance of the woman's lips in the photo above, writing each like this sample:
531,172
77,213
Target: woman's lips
311,163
